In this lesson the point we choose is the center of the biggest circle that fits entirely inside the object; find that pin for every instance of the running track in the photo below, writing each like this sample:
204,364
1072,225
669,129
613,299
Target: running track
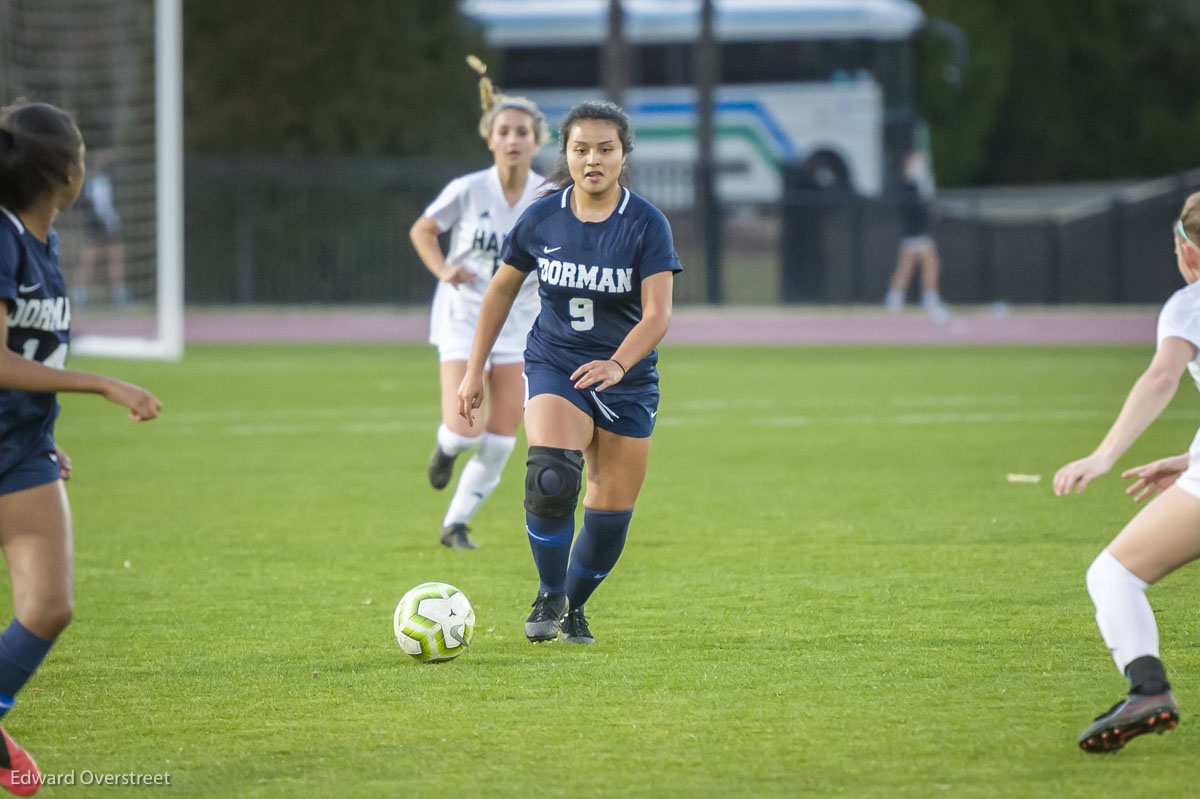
693,325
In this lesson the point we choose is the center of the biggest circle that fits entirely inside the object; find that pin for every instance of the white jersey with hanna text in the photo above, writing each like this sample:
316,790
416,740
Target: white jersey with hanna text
1180,318
479,218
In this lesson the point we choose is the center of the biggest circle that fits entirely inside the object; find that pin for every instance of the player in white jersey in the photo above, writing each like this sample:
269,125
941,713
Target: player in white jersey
479,210
1166,533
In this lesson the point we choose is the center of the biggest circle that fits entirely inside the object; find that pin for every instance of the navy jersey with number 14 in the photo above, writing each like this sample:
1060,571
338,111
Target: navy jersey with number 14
38,328
590,279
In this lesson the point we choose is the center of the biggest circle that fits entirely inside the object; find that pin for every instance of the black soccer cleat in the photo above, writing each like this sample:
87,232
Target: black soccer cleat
575,628
546,620
1134,715
455,536
441,468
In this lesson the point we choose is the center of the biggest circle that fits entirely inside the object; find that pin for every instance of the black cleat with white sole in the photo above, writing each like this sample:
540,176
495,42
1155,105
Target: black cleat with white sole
546,620
575,628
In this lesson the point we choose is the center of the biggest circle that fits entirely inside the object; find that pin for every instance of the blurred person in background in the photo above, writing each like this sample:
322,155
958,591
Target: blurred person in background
1166,533
917,248
606,265
41,175
479,209
102,234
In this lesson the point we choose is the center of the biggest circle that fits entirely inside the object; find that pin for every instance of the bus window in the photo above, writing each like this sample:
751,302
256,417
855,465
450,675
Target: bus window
550,67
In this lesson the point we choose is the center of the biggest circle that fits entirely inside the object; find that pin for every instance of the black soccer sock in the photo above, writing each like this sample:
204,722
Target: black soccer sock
1147,676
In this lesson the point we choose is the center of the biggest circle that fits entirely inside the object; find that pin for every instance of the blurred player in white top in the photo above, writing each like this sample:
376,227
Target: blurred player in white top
479,210
1166,533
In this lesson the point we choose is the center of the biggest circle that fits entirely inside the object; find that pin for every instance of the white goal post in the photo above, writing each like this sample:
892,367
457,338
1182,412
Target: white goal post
118,66
167,344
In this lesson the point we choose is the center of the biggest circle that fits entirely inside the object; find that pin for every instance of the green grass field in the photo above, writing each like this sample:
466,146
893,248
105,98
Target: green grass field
830,588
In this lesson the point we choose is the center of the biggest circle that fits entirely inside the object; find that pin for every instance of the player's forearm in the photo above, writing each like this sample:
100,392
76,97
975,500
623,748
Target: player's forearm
642,339
425,242
1149,396
497,303
20,374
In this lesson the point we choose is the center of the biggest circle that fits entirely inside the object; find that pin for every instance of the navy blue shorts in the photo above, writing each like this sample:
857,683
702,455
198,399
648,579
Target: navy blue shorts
628,413
38,469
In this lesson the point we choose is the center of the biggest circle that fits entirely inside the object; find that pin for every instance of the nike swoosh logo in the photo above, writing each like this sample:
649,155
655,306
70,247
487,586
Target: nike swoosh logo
457,633
653,414
26,289
551,249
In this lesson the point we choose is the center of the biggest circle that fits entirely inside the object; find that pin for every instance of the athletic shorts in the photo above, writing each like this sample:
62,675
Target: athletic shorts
918,243
629,413
452,331
35,470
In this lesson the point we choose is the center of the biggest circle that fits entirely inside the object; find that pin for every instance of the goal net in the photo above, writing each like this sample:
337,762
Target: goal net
117,66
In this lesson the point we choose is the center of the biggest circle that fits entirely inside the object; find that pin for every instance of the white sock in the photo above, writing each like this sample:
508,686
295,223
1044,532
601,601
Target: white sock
479,477
452,443
894,300
931,299
1123,613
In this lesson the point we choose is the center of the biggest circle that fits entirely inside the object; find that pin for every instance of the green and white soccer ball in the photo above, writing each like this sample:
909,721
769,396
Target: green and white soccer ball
434,622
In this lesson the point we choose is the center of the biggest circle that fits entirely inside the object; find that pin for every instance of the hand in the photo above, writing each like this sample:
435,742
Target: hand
1076,475
470,396
64,463
1155,477
142,405
600,374
456,275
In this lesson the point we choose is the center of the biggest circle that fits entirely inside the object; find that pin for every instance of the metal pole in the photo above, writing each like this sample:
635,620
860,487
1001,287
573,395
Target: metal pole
616,55
708,208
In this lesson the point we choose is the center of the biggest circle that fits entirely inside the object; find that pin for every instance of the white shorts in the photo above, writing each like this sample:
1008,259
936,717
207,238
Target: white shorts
452,330
921,243
1189,481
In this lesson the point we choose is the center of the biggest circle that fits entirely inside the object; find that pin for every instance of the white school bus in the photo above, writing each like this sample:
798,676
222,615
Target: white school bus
825,83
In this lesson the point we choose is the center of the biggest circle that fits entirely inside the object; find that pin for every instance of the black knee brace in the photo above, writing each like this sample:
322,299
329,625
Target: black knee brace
552,481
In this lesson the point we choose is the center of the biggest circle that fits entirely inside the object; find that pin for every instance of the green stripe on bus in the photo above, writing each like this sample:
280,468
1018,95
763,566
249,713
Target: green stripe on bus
734,131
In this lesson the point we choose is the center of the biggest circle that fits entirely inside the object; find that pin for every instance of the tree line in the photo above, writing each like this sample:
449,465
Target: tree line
1054,91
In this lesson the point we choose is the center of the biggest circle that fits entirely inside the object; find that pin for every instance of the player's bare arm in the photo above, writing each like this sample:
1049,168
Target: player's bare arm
644,337
424,236
1155,476
1147,399
22,374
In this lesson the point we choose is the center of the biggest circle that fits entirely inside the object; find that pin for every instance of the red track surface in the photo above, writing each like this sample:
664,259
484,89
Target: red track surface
694,325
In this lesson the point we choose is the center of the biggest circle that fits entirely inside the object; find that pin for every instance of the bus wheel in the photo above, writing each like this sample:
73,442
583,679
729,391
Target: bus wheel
827,170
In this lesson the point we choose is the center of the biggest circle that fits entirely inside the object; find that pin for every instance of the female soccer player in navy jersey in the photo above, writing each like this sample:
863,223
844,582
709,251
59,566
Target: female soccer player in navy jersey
1166,533
606,265
41,172
479,209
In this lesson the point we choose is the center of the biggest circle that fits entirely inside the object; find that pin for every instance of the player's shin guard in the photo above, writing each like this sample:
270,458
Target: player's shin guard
596,551
550,542
21,652
1123,613
479,477
552,484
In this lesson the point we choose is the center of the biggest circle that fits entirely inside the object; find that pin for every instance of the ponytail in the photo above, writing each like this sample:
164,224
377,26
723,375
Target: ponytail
493,102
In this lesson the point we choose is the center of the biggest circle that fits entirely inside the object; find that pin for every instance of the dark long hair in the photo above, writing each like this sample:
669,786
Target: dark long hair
590,111
39,143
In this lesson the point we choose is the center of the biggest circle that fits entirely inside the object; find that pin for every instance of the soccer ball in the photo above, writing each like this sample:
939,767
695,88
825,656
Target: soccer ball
434,622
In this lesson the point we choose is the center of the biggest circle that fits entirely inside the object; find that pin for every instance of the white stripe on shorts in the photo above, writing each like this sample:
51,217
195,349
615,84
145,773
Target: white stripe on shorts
604,409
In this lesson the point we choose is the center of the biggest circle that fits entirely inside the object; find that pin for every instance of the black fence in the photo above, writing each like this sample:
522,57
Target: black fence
837,247
300,231
277,230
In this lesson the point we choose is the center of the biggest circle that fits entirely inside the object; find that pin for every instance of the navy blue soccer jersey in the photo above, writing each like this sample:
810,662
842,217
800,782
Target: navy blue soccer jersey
39,320
590,279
